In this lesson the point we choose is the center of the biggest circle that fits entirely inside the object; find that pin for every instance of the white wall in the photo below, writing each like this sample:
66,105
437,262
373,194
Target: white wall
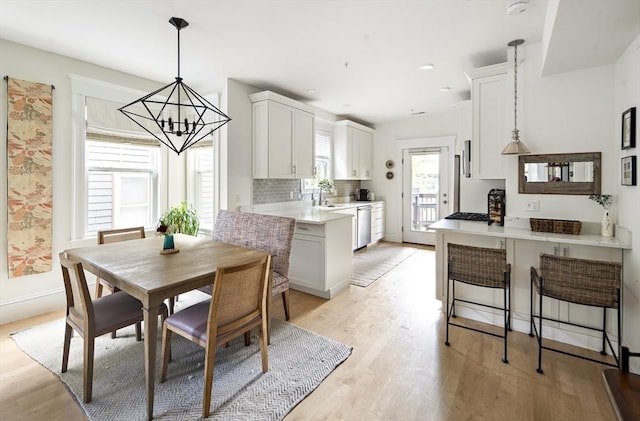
35,294
236,146
626,90
562,113
384,148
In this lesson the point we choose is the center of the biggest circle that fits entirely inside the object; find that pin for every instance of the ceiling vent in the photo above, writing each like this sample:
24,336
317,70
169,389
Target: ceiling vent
516,7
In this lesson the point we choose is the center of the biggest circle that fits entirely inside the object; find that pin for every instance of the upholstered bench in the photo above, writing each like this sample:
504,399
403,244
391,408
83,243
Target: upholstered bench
269,233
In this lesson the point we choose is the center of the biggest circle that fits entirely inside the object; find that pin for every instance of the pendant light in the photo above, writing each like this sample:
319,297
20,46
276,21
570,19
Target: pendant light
515,147
175,114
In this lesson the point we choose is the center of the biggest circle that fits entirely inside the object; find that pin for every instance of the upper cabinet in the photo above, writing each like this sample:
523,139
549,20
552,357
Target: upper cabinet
283,137
490,131
353,151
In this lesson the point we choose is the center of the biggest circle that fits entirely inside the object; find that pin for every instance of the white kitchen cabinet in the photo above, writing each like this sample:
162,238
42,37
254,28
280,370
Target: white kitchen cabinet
283,137
353,211
377,222
353,151
321,257
490,128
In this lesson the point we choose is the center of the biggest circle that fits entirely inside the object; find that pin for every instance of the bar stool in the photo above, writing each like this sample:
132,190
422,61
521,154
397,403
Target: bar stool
483,267
579,281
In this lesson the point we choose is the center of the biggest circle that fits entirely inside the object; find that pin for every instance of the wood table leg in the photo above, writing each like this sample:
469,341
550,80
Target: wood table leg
150,342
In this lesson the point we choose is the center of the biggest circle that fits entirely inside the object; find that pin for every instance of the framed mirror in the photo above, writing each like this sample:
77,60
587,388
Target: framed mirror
566,173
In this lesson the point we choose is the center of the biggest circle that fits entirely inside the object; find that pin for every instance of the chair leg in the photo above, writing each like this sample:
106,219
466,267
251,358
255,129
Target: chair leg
531,307
285,303
263,345
172,303
604,329
166,352
446,341
209,364
68,332
506,325
247,338
98,289
539,369
88,367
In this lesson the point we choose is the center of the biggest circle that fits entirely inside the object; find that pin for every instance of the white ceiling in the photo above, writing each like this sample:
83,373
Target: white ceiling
361,56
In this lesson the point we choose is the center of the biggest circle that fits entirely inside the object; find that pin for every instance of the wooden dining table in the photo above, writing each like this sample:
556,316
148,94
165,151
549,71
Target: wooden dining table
138,268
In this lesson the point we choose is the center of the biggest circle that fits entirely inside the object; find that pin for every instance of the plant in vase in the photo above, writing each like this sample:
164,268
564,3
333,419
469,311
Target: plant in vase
182,219
325,185
604,200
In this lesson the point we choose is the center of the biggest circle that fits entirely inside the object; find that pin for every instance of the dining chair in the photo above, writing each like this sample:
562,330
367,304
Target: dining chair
480,267
586,282
114,236
273,234
237,305
93,318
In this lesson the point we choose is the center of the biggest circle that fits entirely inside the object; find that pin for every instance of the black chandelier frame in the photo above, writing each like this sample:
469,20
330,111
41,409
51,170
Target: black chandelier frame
196,119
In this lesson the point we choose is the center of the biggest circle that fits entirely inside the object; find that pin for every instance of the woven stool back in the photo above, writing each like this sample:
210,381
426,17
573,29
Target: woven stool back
477,265
580,281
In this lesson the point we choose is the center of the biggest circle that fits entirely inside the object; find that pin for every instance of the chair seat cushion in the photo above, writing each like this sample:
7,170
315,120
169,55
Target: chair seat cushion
192,320
116,310
280,284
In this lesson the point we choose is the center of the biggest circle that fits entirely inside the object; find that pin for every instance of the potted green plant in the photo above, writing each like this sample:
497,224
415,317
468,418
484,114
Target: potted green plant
182,218
325,185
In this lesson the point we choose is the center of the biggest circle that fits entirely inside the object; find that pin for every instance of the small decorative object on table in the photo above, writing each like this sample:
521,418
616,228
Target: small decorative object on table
168,245
605,201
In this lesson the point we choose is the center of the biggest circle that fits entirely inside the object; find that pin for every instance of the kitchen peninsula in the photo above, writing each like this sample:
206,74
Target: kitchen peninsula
523,248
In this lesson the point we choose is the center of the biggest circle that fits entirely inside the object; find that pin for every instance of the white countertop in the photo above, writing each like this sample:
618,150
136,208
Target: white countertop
482,228
305,213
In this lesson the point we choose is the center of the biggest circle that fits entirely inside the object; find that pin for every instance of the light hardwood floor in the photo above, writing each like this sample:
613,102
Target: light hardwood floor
400,368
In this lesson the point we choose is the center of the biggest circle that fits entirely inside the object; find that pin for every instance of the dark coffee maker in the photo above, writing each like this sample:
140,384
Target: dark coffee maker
363,195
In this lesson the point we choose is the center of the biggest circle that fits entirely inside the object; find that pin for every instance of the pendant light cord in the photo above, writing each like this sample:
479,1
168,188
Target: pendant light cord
515,86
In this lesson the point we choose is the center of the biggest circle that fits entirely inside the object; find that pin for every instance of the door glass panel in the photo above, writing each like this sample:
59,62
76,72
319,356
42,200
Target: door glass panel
425,189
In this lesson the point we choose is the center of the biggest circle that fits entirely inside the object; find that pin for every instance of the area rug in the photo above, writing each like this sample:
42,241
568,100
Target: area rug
372,263
299,361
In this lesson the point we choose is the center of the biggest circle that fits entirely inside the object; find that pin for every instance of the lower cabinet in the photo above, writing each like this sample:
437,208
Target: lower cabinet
321,257
377,222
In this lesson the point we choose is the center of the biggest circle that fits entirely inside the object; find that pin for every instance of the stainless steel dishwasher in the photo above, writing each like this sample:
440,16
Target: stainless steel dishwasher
364,225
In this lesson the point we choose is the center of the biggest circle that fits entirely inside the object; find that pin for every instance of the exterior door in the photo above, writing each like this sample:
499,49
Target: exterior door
425,192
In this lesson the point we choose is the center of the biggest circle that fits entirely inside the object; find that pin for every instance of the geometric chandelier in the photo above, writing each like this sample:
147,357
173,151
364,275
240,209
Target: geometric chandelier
175,114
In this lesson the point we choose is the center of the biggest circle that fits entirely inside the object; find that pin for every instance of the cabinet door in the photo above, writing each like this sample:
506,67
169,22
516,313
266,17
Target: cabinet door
490,135
303,145
365,155
280,140
341,155
377,222
307,264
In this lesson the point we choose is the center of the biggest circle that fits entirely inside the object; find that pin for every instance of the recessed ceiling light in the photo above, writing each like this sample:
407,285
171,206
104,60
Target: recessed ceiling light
427,66
346,105
413,112
445,89
312,91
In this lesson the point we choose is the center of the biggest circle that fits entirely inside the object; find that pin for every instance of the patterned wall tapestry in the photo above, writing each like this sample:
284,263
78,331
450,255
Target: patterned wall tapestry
29,175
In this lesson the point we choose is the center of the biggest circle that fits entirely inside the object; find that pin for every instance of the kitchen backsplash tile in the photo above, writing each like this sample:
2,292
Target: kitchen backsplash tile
274,191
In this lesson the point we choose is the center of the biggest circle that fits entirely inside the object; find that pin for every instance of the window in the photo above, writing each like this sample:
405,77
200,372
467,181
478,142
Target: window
323,159
202,191
122,182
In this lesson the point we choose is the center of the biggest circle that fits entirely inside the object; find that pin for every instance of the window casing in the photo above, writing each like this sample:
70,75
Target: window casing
202,191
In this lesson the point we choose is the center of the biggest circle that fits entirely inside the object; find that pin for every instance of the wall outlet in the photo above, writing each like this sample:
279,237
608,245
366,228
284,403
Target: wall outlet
532,206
